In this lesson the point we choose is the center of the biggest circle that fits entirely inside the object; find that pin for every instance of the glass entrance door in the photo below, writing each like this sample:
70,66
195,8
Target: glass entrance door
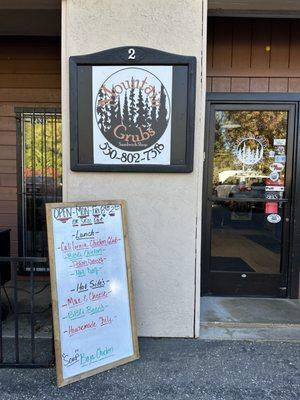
248,195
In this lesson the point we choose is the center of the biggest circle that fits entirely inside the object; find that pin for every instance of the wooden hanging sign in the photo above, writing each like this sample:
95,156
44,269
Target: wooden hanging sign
91,288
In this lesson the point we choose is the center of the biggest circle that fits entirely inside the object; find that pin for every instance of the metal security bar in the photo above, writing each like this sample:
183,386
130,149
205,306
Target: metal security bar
21,344
39,177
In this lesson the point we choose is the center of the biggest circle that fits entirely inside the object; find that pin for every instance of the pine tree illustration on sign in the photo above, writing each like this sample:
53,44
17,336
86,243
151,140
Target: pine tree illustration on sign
125,114
132,108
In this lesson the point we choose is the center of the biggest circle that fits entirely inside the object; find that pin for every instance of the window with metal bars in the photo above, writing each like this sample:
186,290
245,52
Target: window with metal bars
39,171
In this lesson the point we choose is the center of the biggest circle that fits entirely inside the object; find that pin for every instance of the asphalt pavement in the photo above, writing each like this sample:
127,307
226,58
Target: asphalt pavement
171,369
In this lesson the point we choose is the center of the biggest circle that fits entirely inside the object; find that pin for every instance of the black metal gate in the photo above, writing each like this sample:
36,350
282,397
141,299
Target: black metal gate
26,334
24,342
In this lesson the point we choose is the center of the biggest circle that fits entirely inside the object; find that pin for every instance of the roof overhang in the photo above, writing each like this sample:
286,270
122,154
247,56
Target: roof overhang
30,18
255,8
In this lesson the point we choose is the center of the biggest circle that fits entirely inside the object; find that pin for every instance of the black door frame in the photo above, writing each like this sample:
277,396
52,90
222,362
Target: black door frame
292,252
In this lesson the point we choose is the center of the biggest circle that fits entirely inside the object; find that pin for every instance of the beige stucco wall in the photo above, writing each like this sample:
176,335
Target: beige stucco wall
162,208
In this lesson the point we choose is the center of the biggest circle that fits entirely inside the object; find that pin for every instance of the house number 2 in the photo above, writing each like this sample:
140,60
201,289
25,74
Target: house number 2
131,54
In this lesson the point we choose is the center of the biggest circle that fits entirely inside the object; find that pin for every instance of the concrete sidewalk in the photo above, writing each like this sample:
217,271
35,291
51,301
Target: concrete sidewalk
250,318
172,369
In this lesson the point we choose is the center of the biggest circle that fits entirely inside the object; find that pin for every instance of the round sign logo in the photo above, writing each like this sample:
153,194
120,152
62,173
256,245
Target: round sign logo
132,109
274,218
250,151
274,176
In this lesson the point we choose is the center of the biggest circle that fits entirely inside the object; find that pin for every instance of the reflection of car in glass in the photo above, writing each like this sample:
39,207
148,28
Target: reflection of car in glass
257,188
242,185
227,188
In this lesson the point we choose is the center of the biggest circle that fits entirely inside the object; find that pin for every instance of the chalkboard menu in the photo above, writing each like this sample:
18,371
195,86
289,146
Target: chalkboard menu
132,109
91,287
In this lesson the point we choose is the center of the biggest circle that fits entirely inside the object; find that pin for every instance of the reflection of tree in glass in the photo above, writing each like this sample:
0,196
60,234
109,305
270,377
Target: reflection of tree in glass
234,126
